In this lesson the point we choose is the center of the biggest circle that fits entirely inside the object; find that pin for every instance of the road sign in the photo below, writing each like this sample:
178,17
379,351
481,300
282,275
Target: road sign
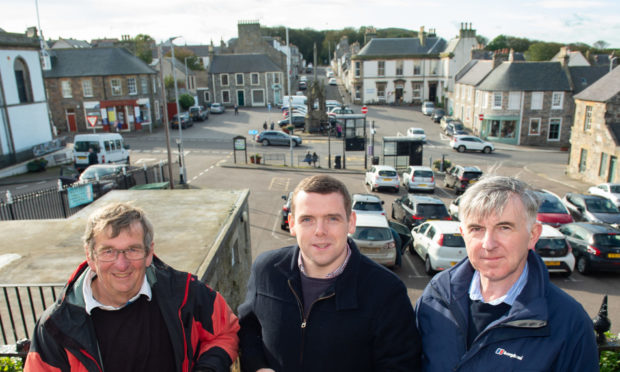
252,132
481,117
92,120
364,110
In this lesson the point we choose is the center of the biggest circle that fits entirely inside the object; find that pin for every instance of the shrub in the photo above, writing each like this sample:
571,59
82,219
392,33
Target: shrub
446,164
8,364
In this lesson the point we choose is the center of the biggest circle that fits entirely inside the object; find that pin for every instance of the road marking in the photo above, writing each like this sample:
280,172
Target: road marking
279,184
277,232
145,160
408,259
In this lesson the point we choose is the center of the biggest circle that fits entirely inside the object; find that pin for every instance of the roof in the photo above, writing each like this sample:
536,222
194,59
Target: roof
230,63
405,46
477,71
584,76
95,62
526,76
596,228
366,198
603,89
72,43
371,220
9,39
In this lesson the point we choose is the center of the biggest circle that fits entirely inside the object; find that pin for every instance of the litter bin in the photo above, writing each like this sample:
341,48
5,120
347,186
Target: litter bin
337,162
375,160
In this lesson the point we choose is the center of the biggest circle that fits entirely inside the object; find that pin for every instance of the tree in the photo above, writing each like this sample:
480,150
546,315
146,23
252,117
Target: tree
500,42
186,101
542,51
482,40
144,45
181,54
601,44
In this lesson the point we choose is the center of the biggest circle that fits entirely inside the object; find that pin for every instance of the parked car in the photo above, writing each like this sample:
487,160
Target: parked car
286,209
412,209
551,210
462,143
595,246
591,208
382,176
106,177
302,85
610,191
453,208
460,177
404,233
217,108
439,244
186,121
276,137
447,120
555,251
199,113
340,110
455,128
299,121
427,108
419,178
417,133
437,114
374,239
330,104
332,81
367,203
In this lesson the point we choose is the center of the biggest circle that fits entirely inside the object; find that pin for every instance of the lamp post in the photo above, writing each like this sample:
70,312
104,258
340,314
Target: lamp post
182,174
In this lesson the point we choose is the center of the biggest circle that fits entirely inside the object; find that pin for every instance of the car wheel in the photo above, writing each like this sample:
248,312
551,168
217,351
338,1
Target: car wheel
486,150
583,266
265,142
428,268
461,148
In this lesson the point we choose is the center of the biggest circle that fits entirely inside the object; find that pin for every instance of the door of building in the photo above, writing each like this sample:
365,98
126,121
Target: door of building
71,123
613,163
432,91
120,116
240,98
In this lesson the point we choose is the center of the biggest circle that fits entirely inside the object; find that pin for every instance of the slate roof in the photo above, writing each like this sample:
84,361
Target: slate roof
584,76
477,71
404,46
95,62
73,43
231,63
603,89
527,76
10,39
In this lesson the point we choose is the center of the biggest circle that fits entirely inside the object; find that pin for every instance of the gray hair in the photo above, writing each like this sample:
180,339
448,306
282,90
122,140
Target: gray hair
118,217
490,195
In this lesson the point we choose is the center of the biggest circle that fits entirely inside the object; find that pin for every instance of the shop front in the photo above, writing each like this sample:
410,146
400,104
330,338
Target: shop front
502,129
118,115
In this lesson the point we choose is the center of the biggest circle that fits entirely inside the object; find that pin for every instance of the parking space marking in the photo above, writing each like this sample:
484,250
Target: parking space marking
408,259
280,184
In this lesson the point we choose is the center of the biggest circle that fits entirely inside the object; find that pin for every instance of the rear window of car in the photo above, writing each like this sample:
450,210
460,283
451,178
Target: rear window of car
601,206
551,205
472,175
607,240
551,244
453,240
432,210
372,233
387,173
367,206
423,173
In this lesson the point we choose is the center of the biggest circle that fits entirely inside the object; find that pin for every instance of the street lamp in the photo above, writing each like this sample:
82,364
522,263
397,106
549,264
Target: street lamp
182,173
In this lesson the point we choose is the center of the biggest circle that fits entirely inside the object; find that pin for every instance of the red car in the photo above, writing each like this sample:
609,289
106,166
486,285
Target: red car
551,210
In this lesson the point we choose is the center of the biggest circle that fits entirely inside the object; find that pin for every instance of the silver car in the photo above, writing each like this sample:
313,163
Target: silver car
382,176
419,178
374,239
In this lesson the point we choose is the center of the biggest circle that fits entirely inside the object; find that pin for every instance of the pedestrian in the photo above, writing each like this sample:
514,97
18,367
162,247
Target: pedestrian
308,158
236,109
338,130
497,309
93,158
321,305
125,310
315,158
265,126
119,126
269,107
272,125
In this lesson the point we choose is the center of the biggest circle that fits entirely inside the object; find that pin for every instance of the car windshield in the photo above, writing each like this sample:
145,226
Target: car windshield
471,175
607,240
458,126
418,131
453,240
83,146
601,206
432,210
372,233
615,189
387,173
551,244
551,205
368,206
92,173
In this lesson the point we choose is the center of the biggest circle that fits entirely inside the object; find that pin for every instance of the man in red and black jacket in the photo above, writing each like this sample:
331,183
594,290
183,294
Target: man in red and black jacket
125,310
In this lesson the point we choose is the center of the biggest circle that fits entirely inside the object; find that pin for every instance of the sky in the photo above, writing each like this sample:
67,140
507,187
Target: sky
203,21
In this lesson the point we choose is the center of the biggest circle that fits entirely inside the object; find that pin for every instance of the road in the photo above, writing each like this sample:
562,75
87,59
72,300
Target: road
210,164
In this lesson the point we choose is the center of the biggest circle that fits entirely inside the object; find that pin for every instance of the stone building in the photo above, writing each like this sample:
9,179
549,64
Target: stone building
595,135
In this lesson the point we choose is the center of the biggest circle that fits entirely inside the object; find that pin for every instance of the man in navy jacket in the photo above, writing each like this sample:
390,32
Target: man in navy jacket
321,305
497,310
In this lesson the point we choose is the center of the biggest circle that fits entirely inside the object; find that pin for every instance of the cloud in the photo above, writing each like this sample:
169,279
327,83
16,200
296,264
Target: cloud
571,4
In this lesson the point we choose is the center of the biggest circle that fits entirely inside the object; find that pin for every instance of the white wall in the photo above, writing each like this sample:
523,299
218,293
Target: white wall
30,125
7,63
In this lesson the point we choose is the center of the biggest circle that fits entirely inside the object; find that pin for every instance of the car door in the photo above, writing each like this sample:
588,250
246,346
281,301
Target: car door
426,239
398,208
369,175
418,236
578,207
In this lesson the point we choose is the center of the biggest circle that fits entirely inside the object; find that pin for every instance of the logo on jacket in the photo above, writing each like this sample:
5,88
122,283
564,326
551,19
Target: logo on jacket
503,352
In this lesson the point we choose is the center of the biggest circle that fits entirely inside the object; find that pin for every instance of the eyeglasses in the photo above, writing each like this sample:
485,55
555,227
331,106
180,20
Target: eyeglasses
109,254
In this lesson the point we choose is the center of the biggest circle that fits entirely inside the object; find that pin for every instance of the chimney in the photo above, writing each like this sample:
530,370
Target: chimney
497,59
421,35
31,32
370,34
564,56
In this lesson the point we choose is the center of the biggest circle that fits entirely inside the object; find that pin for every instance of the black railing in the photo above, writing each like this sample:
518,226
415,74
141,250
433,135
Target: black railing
53,202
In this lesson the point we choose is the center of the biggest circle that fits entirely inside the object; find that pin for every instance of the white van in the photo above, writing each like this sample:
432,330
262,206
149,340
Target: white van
297,100
110,148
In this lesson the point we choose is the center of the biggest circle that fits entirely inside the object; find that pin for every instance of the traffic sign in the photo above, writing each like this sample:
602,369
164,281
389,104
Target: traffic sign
252,132
481,117
92,120
364,110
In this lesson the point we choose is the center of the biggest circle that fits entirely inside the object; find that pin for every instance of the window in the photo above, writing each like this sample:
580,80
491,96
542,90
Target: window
65,86
416,90
587,123
207,97
381,91
417,67
258,96
239,79
434,67
254,77
154,84
224,79
157,110
117,90
131,86
477,99
225,96
22,80
144,83
583,159
399,68
358,69
534,126
603,165
485,100
514,100
276,78
469,90
537,101
358,93
381,68
556,100
87,87
554,129
497,100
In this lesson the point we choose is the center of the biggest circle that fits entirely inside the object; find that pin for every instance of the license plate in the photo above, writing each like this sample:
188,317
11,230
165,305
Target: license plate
422,185
552,263
472,181
453,263
613,255
82,157
387,180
